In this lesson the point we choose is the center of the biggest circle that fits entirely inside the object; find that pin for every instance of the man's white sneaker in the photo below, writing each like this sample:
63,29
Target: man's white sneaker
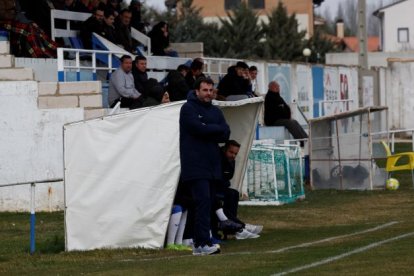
206,250
255,229
244,234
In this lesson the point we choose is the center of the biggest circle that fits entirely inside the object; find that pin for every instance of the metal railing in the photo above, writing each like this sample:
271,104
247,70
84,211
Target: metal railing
343,105
392,138
93,66
32,206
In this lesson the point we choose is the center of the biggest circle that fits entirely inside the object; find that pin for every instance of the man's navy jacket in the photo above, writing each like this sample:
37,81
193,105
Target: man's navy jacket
202,127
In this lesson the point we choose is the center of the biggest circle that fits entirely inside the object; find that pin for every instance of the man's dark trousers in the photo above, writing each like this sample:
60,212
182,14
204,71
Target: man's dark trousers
201,193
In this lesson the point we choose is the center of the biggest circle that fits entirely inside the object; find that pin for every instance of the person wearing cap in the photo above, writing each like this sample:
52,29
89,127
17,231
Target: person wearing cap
236,84
136,20
155,94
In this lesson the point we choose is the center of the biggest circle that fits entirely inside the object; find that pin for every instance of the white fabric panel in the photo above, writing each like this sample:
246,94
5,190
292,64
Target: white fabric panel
121,173
120,179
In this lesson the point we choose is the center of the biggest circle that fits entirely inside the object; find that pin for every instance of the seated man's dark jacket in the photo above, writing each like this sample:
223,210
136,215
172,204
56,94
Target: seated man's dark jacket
275,108
202,127
177,87
123,36
140,81
227,168
91,25
232,84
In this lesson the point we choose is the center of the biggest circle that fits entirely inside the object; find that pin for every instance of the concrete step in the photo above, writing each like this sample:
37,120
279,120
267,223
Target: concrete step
4,47
6,61
16,74
70,88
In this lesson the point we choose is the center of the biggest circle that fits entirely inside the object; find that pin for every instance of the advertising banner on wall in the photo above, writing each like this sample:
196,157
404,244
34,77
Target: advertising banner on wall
331,91
348,88
304,88
281,73
317,78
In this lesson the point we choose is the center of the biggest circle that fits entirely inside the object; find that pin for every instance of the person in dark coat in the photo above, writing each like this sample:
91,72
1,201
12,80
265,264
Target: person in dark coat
108,28
196,72
155,94
202,127
93,24
139,71
277,113
235,85
160,40
176,84
123,31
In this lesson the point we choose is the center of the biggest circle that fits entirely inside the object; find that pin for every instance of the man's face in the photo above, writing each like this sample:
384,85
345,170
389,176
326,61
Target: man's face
253,74
126,65
239,71
231,152
274,87
126,18
205,93
109,20
141,65
99,15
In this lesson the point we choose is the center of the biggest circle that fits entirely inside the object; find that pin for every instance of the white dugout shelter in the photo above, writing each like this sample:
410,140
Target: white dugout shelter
121,173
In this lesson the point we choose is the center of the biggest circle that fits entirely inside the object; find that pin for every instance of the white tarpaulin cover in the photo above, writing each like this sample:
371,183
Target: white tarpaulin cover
121,173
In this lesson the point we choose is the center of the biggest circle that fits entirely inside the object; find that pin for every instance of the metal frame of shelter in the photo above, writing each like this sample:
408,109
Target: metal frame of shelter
341,149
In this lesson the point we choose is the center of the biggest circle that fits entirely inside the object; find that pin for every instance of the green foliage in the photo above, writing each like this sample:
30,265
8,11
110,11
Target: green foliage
241,33
283,41
189,26
319,46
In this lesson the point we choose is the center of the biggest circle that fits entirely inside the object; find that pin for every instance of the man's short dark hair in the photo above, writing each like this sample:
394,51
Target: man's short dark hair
124,11
100,7
124,57
138,58
242,64
233,143
199,81
253,68
109,12
196,65
182,67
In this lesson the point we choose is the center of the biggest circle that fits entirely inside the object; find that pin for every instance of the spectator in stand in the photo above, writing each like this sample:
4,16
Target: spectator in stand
202,127
196,72
115,6
83,6
155,95
108,29
139,71
26,38
277,113
70,5
136,21
93,24
253,80
235,85
123,31
122,88
176,85
160,40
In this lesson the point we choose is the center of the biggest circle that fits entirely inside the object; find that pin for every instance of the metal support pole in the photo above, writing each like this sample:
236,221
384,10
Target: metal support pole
32,219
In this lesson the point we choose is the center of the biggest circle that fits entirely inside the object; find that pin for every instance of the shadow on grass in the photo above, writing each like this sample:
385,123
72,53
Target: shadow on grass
53,245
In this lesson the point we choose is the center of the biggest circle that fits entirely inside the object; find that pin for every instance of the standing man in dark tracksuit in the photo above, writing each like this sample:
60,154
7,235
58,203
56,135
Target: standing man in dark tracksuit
202,127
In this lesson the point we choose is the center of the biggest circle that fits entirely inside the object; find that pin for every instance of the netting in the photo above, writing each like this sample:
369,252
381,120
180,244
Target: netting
274,173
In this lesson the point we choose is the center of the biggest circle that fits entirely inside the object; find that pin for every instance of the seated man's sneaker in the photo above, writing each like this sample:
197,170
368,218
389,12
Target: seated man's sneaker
229,225
255,229
178,247
244,234
206,250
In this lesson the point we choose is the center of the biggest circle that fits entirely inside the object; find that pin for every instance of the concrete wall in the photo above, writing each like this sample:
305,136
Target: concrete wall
399,96
394,17
375,59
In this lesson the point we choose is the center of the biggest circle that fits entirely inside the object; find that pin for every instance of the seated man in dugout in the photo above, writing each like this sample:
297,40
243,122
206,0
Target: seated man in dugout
122,87
277,113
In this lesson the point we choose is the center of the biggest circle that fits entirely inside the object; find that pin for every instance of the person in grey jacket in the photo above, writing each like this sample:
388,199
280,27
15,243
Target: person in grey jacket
122,87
